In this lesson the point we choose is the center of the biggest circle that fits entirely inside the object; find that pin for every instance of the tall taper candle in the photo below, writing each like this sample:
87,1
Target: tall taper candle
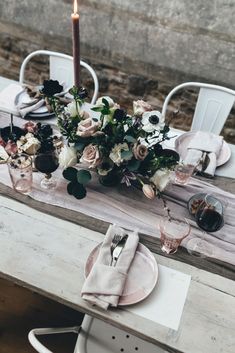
76,44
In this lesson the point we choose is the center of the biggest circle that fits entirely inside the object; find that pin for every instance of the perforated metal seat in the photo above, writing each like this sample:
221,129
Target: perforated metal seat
96,336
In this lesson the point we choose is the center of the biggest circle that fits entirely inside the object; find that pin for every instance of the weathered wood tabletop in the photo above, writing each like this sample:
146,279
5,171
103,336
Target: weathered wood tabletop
44,248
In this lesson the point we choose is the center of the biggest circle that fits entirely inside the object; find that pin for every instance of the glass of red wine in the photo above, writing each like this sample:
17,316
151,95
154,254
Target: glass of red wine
47,162
210,218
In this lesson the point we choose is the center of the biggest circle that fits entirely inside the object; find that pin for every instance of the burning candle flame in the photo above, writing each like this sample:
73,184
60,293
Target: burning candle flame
75,7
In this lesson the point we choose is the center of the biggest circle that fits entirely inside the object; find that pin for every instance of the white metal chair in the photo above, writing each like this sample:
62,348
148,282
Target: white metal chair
61,69
213,106
96,336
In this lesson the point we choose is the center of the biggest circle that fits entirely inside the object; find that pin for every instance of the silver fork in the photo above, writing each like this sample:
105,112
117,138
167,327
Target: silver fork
116,239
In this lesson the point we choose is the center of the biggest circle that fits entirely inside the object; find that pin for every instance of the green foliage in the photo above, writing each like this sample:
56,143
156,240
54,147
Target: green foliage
126,155
83,176
77,190
77,180
70,173
104,136
133,165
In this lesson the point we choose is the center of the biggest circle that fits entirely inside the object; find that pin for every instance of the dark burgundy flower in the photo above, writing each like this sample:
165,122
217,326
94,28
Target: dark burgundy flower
82,93
51,87
119,114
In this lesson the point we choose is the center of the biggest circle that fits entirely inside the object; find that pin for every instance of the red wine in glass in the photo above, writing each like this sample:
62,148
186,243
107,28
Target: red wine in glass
209,219
47,163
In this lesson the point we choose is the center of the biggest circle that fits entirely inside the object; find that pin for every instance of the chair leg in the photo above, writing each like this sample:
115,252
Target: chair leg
39,347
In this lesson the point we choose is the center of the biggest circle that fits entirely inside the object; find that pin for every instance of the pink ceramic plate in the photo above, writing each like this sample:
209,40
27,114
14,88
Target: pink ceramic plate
142,276
182,142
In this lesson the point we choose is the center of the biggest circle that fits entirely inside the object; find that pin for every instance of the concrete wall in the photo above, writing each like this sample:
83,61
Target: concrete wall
174,39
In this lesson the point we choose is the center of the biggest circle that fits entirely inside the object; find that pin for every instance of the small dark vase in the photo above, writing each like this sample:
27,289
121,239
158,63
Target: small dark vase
113,178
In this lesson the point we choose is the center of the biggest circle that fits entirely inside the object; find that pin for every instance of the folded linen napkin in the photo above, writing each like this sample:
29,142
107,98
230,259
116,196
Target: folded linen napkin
104,284
203,151
7,98
25,109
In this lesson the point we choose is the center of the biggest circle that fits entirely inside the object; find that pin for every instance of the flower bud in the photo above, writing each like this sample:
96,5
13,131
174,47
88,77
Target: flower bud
148,191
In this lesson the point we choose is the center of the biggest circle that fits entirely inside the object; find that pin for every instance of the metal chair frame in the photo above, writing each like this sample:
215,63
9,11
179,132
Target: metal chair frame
61,69
213,105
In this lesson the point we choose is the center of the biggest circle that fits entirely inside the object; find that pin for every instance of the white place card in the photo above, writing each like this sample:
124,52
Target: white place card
166,303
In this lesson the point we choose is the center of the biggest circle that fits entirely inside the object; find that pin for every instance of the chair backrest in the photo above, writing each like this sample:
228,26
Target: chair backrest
213,106
61,69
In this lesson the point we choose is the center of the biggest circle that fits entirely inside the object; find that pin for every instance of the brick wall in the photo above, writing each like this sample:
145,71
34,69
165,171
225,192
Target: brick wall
139,49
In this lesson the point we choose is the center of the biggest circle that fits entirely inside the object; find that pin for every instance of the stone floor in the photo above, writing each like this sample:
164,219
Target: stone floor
22,310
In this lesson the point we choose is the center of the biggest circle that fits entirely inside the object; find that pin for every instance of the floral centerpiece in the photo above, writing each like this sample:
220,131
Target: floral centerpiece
119,147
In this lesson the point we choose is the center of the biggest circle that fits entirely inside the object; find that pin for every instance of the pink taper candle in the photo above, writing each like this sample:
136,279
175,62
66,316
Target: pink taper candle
76,44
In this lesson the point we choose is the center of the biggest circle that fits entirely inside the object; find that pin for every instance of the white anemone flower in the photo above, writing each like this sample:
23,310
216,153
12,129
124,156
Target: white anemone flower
152,121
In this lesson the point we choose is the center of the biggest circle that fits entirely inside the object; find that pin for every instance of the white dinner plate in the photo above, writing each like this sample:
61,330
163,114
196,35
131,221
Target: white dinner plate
142,275
182,142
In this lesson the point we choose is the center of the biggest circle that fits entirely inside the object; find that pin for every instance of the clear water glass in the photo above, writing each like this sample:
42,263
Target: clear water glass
172,232
183,172
21,172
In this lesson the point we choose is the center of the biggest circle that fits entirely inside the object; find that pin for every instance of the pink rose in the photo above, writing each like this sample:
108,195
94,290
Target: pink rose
30,127
140,106
84,114
140,152
91,156
87,127
11,147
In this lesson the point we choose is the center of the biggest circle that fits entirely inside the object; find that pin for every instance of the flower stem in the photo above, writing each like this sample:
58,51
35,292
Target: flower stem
166,208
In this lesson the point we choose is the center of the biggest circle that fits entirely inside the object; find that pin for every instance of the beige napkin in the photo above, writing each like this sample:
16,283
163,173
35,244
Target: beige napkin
203,151
25,109
104,285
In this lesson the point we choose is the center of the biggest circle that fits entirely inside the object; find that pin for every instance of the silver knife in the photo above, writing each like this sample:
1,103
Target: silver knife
117,251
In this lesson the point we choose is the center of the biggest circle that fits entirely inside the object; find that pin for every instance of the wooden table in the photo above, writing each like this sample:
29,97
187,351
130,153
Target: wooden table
47,255
44,248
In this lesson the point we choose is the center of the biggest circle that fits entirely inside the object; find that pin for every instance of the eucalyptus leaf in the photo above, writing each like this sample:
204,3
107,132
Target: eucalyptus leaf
126,155
79,146
70,187
83,176
70,173
133,165
79,192
129,138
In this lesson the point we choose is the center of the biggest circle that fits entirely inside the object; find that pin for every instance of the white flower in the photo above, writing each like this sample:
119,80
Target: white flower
67,157
28,144
161,178
152,121
107,98
72,109
116,153
140,106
